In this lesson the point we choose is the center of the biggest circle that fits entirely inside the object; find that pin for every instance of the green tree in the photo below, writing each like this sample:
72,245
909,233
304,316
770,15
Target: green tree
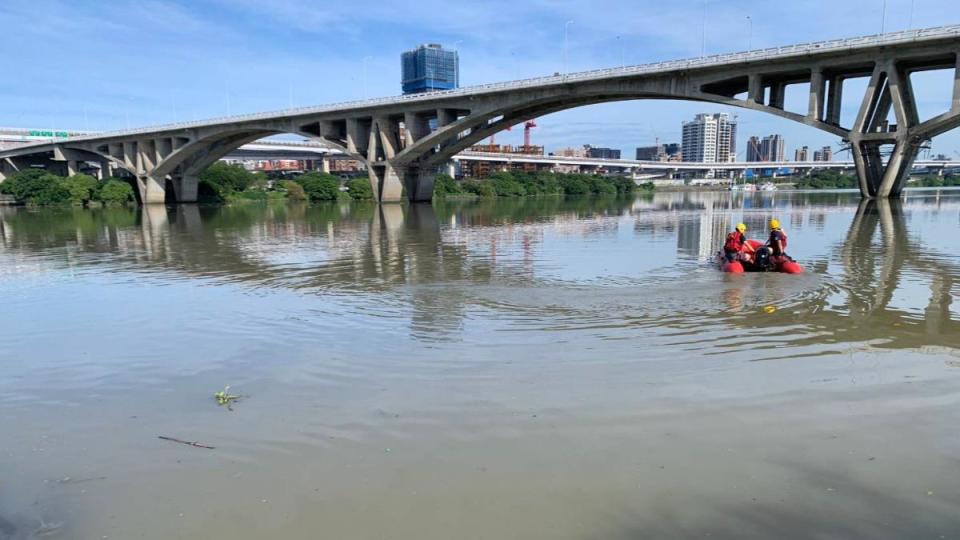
505,185
479,188
600,186
574,185
624,185
544,184
81,188
294,190
360,189
36,187
114,192
209,192
227,178
320,186
445,185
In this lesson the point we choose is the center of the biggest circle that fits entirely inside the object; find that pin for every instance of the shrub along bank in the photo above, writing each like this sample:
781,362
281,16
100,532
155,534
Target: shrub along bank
508,184
37,187
835,180
222,182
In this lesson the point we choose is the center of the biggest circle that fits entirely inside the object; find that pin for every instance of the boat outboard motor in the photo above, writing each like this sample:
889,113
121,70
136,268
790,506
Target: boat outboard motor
762,258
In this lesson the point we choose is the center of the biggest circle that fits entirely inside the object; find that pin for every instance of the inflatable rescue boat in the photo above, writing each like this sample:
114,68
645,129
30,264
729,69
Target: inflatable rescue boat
756,257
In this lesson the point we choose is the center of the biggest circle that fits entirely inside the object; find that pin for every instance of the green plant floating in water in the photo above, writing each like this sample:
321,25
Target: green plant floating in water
224,397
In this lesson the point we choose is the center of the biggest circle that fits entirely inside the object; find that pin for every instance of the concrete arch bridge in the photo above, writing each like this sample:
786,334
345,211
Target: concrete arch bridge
406,140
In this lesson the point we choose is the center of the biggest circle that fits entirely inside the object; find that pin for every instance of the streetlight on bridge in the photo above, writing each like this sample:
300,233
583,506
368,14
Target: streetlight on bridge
883,18
365,58
622,63
703,32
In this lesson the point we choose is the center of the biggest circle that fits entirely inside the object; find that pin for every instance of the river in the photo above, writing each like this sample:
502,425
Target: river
532,368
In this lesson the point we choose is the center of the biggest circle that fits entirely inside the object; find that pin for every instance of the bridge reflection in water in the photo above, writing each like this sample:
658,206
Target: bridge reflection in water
518,364
437,264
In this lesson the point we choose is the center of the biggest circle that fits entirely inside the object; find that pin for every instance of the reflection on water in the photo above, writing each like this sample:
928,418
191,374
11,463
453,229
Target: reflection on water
517,368
438,264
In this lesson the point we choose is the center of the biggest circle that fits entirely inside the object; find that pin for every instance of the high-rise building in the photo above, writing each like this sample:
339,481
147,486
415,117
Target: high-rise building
709,138
801,154
428,68
753,149
601,153
824,154
660,152
772,148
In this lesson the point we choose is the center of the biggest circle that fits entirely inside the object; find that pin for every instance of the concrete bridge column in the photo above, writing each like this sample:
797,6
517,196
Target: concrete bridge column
106,170
152,191
898,168
386,183
419,184
185,188
72,167
325,164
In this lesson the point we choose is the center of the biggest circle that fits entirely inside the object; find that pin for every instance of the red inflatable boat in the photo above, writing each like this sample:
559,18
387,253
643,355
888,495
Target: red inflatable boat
755,257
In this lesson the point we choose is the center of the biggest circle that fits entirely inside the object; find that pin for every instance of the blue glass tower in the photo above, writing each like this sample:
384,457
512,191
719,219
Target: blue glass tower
428,68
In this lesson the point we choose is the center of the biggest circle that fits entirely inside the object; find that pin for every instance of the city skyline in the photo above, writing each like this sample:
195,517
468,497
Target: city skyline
322,55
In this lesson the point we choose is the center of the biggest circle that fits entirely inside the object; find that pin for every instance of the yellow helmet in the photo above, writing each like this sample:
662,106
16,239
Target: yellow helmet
741,227
774,224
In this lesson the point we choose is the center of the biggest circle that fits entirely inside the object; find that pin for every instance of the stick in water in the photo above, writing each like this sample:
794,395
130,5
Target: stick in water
188,443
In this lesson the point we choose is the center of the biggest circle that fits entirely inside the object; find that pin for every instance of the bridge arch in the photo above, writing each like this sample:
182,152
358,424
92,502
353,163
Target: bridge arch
178,160
404,140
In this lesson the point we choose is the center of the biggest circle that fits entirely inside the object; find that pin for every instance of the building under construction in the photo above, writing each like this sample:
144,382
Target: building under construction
483,169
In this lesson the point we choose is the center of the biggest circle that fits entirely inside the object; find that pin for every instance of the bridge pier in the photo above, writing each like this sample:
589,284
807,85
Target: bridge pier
152,191
386,184
106,170
883,180
889,90
438,128
185,188
419,185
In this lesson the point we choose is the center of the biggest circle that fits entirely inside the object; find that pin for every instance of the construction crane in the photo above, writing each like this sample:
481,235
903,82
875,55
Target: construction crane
527,126
493,138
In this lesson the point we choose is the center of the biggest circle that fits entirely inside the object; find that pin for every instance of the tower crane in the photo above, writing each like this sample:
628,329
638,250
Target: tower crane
527,126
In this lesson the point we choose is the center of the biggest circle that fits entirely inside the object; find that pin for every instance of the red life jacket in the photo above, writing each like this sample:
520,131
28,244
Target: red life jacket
734,242
775,235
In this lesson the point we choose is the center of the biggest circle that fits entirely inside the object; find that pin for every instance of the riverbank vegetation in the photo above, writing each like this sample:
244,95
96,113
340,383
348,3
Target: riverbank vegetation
835,180
827,180
37,187
225,183
222,182
508,184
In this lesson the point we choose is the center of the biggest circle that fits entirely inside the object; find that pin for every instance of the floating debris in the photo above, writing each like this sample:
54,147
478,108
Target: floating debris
769,309
70,480
195,444
224,397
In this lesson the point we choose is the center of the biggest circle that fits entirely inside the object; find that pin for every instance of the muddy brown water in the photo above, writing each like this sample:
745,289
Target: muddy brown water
496,369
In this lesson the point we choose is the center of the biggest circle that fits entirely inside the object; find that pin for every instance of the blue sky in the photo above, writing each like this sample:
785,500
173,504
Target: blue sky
105,65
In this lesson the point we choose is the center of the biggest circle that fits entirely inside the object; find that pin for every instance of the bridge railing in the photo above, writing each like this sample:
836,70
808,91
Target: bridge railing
894,38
